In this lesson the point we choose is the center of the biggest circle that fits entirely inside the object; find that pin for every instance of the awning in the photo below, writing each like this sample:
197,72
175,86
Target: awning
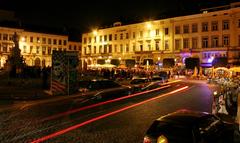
206,65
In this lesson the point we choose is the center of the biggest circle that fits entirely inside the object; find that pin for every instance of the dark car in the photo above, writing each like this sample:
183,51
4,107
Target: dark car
186,126
103,89
138,83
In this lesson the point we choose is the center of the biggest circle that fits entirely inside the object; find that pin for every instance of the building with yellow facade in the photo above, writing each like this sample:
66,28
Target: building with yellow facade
212,33
36,47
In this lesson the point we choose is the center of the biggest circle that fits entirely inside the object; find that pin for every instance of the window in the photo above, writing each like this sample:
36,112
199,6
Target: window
79,48
110,37
185,28
110,48
115,37
84,40
226,40
49,41
134,35
5,37
89,39
95,39
141,47
238,23
49,50
121,36
31,39
126,35
166,45
38,40
127,48
0,36
59,42
100,49
121,48
195,43
70,47
214,41
134,47
177,30
214,26
44,40
186,43
205,42
37,50
11,37
177,44
24,49
31,49
115,48
194,28
157,45
105,49
4,47
149,46
95,50
65,42
100,38
43,50
89,49
54,41
141,34
204,27
75,48
149,33
225,24
157,32
105,38
166,31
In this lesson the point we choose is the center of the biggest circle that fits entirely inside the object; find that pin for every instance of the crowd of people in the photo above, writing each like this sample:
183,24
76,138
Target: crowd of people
123,74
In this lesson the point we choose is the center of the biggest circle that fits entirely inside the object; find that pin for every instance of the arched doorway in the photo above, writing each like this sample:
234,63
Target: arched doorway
37,62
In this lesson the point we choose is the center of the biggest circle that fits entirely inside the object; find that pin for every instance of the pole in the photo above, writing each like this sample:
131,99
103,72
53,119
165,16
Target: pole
68,75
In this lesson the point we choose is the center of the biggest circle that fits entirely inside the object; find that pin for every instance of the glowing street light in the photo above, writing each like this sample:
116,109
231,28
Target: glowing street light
95,32
149,25
23,39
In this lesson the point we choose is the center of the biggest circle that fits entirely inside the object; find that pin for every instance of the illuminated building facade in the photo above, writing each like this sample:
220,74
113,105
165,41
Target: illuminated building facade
210,34
36,48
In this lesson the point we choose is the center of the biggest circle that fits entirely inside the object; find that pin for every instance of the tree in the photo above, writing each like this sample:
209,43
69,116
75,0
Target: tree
191,63
168,62
220,62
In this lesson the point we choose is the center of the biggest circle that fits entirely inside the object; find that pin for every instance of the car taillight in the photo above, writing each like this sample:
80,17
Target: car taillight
147,140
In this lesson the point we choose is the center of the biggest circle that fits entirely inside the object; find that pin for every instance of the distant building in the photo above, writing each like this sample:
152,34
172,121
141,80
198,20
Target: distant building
207,35
36,47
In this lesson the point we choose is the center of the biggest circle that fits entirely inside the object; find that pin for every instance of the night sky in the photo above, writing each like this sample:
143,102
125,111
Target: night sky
86,15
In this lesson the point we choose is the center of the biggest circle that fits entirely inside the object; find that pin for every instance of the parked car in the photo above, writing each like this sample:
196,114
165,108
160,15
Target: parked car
103,89
185,126
138,83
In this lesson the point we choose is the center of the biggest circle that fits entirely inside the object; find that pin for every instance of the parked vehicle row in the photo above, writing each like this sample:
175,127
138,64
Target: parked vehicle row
103,89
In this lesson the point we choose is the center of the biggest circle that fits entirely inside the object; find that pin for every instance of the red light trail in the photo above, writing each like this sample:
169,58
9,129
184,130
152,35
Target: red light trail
99,104
104,116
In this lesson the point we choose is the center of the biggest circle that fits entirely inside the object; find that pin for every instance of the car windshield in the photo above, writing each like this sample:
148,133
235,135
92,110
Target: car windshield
157,79
138,81
101,84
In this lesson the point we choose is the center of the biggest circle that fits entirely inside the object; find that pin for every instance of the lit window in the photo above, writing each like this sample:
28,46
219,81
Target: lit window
225,24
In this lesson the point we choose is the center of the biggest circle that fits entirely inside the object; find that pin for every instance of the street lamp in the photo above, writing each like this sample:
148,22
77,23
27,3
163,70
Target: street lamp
149,25
95,32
